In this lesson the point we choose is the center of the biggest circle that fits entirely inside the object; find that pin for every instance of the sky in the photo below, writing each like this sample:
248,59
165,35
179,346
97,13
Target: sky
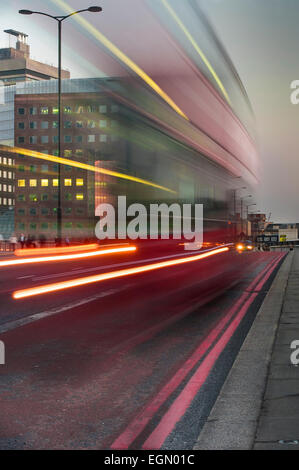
260,36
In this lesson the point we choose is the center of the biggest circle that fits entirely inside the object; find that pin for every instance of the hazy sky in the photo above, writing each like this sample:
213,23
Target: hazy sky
261,37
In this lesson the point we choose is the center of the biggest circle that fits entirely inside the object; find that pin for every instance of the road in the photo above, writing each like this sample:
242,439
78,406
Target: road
135,362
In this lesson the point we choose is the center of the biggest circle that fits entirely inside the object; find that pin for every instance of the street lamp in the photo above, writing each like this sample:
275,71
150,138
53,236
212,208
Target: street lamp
60,19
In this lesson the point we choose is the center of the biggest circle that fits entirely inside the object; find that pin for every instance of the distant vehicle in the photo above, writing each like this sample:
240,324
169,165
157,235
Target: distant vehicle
246,245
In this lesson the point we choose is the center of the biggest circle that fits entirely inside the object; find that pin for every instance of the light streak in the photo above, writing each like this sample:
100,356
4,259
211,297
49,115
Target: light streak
197,48
121,56
54,250
112,275
42,259
83,166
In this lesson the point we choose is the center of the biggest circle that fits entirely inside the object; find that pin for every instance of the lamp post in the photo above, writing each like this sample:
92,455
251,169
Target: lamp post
60,19
235,207
242,198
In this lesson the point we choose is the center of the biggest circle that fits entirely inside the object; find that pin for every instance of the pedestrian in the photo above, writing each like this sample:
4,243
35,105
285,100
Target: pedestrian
22,240
13,242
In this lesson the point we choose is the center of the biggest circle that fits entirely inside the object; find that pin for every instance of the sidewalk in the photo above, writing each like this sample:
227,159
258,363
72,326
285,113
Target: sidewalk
258,406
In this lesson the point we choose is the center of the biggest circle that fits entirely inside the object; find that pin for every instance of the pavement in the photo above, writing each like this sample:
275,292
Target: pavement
258,405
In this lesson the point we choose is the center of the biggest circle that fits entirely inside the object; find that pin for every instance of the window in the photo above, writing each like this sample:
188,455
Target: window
44,125
91,108
67,124
21,197
67,109
79,182
68,196
114,108
33,125
103,123
67,153
55,124
33,168
67,182
32,211
79,196
32,183
67,139
103,108
79,123
21,140
9,161
21,183
79,109
32,139
103,138
55,153
45,211
21,211
55,182
91,138
44,225
68,210
45,168
44,110
68,168
32,226
33,111
44,182
44,139
55,141
33,197
91,124
55,110
21,110
79,139
4,174
21,168
68,225
21,125
79,152
44,197
22,226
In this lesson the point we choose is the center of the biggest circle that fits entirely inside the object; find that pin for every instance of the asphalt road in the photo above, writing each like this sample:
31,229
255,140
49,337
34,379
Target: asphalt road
132,363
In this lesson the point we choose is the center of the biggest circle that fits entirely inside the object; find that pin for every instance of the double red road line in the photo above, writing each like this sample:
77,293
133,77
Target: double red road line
209,350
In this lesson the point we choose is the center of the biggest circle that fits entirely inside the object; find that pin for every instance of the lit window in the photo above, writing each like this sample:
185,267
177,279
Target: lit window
55,110
5,187
91,138
103,108
55,124
79,152
55,182
32,183
103,138
4,174
21,183
10,161
79,109
4,160
103,123
67,109
79,182
33,197
79,123
67,153
79,196
9,201
67,182
91,124
44,182
44,110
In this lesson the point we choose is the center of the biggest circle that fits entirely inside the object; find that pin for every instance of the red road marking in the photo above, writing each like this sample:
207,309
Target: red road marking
139,423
